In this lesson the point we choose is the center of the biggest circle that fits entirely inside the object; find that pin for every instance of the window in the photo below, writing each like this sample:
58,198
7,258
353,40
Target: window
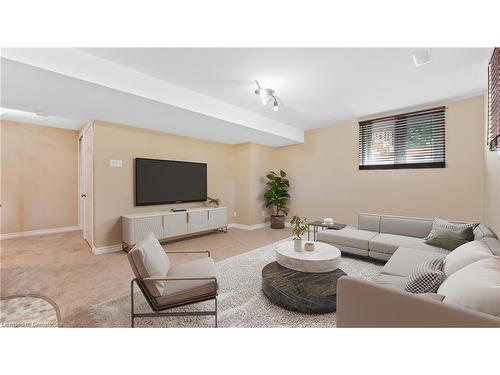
494,101
409,140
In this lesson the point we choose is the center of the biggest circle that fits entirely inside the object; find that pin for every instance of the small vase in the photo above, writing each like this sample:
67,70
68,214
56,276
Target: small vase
297,245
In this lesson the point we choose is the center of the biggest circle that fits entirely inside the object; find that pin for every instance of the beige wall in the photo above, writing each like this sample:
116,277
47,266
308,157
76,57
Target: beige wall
39,177
252,163
114,187
492,191
324,175
491,183
325,180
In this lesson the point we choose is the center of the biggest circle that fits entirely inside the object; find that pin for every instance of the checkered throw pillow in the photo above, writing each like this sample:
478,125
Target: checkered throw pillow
426,277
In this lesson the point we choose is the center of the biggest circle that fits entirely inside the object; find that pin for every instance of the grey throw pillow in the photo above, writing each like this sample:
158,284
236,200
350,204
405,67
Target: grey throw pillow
440,224
450,240
426,277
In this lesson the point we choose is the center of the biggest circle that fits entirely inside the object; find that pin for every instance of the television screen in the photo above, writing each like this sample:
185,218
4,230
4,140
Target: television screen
169,181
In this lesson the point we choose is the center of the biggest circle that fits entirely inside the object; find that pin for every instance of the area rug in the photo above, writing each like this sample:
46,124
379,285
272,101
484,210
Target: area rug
29,311
241,302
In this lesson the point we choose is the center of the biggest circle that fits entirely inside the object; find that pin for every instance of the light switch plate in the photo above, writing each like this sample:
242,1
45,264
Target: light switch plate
115,163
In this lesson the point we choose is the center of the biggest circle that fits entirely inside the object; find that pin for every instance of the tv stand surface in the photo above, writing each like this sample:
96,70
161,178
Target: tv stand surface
171,224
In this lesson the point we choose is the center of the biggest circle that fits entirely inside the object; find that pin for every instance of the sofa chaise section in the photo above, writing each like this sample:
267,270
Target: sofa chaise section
349,239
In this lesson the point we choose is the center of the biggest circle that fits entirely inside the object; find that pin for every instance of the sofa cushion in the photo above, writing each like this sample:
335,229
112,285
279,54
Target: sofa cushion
441,224
464,255
405,259
177,291
391,281
370,222
450,239
476,286
405,226
493,244
148,259
482,231
347,236
426,277
388,243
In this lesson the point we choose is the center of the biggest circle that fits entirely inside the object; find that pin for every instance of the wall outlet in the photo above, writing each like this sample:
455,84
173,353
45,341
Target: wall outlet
263,213
234,214
115,163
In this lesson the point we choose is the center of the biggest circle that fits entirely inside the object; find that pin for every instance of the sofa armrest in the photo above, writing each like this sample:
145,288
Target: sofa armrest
363,303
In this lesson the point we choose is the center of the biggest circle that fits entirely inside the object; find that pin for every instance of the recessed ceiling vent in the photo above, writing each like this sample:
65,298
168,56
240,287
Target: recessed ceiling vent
422,56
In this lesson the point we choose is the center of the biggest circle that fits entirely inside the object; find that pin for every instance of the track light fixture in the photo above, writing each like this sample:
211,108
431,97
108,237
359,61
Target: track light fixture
267,96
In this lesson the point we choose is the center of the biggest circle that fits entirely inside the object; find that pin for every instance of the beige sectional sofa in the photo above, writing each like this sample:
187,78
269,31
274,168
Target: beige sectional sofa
468,297
379,236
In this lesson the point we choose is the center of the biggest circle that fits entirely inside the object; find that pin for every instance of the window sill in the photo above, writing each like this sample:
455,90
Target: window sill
404,166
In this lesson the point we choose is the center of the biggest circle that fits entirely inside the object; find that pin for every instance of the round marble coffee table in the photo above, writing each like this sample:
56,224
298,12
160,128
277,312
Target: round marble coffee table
303,281
324,258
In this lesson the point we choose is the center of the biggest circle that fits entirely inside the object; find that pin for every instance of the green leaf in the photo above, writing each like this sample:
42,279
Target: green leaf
282,173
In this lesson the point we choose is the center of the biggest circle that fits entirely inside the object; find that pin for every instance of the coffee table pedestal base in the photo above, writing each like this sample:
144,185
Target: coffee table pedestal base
309,293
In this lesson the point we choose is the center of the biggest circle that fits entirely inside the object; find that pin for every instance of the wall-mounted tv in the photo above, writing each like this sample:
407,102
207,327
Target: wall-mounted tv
169,181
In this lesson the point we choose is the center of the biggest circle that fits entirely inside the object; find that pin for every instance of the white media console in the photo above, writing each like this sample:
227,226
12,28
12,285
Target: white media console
168,224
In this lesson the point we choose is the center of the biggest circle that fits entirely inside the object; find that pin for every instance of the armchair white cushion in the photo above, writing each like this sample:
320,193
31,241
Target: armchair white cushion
148,259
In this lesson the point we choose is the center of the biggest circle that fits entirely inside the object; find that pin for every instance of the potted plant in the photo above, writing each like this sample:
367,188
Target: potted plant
277,196
299,227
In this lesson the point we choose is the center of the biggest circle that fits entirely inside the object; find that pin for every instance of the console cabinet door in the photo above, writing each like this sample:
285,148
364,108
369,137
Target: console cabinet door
217,218
145,225
197,221
174,224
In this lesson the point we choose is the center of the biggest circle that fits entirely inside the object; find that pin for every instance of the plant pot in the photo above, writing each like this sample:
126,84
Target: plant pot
297,245
277,221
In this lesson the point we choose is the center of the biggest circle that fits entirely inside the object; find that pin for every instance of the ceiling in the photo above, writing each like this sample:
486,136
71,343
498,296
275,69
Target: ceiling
208,92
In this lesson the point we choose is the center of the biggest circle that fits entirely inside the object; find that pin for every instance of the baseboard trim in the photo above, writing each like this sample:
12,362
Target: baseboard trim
38,232
255,226
247,227
107,249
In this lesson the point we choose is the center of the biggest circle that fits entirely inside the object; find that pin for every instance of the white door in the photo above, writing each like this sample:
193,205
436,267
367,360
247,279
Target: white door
86,184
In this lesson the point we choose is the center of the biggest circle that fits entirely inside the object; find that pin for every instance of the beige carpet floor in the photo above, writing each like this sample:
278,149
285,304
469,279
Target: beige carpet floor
61,267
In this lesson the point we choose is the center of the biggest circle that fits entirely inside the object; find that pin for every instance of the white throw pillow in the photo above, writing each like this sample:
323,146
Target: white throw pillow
464,255
155,259
476,286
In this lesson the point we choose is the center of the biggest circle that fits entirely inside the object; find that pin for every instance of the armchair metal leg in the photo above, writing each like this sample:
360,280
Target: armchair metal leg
215,312
132,304
158,314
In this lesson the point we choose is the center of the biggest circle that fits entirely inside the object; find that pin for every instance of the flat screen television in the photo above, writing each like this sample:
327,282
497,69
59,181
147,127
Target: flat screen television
169,181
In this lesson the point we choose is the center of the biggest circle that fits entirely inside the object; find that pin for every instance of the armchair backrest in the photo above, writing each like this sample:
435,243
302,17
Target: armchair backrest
148,259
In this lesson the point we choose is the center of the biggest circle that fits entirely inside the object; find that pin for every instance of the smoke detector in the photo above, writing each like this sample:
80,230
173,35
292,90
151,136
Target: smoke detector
422,56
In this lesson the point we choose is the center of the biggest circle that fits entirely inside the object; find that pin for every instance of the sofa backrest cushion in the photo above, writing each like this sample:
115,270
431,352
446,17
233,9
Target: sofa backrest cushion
482,231
370,222
476,286
148,259
493,244
464,255
405,226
